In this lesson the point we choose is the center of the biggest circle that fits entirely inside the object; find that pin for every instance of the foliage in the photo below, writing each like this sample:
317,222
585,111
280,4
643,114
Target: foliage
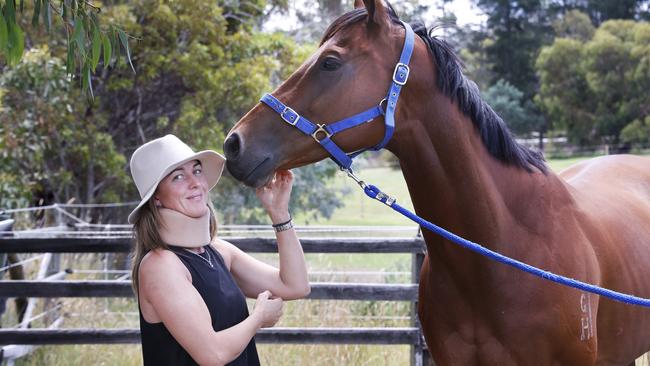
638,131
50,138
87,39
472,52
509,104
574,25
600,11
594,90
311,198
197,70
518,30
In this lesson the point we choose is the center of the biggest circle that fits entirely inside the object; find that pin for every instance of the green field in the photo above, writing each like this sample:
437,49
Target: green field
361,210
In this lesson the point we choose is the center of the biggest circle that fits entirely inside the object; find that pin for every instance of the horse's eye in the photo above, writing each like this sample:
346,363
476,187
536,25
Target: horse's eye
330,64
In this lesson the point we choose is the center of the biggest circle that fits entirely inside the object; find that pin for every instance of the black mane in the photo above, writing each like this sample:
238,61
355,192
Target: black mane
494,133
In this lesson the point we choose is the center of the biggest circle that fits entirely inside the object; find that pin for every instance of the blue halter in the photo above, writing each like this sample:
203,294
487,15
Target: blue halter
323,133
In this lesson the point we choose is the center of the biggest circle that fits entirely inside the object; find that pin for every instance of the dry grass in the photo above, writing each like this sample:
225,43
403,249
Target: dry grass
98,313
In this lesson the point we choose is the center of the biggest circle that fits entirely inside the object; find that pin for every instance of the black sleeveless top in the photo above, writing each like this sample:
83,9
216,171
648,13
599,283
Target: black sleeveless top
224,299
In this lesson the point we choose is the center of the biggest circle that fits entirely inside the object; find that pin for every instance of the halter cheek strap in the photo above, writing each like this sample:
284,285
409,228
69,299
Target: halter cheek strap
323,133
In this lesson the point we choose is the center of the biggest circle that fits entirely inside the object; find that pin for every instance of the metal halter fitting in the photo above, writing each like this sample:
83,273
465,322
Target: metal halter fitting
323,133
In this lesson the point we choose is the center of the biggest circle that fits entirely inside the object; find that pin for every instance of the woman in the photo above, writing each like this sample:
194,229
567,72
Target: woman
191,284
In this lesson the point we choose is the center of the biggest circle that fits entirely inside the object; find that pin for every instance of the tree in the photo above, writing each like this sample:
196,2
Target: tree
575,25
637,132
53,147
518,30
87,39
196,73
594,90
510,105
600,11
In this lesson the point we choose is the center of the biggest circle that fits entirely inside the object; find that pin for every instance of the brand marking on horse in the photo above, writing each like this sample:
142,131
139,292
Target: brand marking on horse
586,320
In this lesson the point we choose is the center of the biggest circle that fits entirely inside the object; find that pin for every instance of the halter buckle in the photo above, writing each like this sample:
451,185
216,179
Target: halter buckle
321,128
290,116
401,73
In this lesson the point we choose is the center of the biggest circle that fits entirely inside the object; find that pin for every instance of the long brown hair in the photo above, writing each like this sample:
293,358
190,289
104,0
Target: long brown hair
146,236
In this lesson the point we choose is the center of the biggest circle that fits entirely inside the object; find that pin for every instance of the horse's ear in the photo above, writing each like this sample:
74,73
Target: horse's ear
377,11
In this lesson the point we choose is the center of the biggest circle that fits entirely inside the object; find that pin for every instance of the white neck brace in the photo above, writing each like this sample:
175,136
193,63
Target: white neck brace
182,230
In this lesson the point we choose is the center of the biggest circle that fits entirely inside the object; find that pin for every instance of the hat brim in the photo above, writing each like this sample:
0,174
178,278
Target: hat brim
212,163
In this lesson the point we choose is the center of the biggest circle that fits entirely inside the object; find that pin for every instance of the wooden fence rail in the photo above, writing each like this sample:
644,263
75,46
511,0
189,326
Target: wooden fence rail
254,245
120,288
269,335
112,288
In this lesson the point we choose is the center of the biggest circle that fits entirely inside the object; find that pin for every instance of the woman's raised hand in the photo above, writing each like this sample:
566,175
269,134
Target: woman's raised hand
275,195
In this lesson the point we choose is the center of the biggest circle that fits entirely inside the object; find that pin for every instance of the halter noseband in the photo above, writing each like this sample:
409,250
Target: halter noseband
323,133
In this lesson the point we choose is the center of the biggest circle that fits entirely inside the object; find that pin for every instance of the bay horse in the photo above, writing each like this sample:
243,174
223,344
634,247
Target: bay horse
466,173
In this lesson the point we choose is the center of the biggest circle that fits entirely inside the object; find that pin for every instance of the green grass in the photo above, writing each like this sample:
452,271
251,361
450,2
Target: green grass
557,165
361,210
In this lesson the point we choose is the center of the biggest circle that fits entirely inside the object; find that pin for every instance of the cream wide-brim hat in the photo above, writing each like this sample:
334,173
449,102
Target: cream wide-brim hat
153,161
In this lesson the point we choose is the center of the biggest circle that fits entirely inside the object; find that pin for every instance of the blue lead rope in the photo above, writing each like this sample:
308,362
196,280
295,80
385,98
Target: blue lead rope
374,192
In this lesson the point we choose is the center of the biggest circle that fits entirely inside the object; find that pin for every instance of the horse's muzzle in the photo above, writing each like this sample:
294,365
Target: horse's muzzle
249,167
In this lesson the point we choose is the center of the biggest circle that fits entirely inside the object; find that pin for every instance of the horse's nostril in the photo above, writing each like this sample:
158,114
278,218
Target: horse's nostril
231,146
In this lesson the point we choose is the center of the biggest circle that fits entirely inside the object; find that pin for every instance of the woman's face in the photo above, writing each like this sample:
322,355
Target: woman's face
184,190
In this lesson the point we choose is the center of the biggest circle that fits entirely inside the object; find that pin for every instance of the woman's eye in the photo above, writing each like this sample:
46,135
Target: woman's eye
330,64
198,171
177,177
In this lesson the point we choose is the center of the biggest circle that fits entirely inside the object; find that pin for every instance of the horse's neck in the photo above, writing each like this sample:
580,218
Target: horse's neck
455,183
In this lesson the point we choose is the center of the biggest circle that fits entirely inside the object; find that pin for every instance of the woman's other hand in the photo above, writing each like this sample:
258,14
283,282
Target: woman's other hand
275,195
267,309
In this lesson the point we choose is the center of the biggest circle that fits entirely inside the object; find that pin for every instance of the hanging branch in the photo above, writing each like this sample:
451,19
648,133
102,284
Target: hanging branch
87,40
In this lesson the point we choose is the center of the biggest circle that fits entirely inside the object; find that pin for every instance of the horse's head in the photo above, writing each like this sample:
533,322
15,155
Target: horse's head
350,72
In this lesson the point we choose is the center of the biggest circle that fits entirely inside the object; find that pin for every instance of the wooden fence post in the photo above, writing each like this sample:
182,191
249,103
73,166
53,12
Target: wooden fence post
5,225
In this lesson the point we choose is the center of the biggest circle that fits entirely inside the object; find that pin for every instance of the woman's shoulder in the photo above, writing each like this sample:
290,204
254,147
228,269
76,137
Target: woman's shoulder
161,260
160,272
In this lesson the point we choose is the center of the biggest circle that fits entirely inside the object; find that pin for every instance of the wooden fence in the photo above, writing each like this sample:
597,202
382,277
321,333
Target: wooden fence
51,287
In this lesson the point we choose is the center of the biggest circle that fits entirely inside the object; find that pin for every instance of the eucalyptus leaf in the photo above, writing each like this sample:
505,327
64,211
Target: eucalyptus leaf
116,45
16,43
125,44
89,82
107,49
4,35
10,12
79,37
37,12
96,47
47,15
